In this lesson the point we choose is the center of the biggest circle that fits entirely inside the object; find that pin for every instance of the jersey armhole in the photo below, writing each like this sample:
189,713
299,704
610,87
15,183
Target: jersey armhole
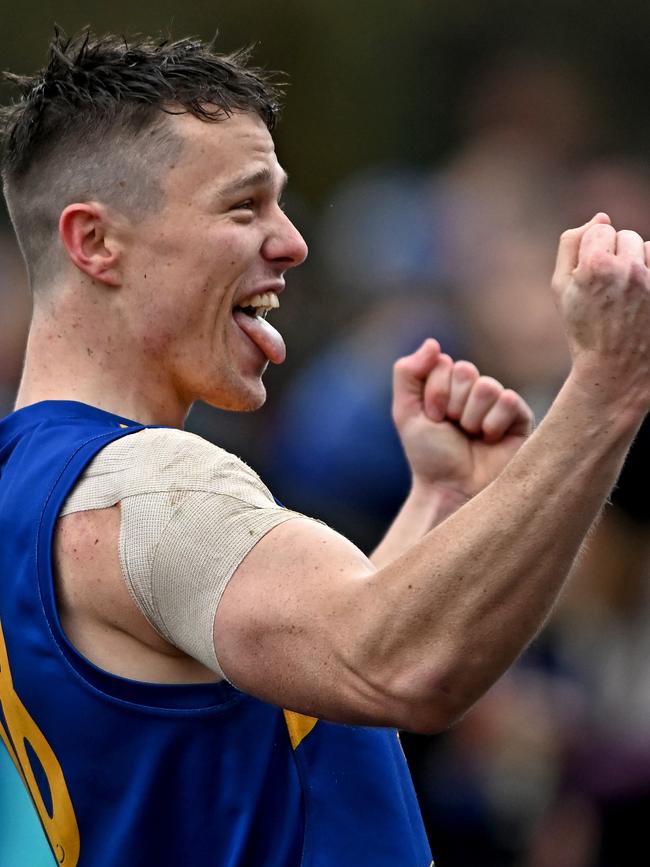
172,697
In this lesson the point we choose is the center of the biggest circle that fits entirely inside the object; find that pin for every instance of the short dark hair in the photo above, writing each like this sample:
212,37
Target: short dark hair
95,115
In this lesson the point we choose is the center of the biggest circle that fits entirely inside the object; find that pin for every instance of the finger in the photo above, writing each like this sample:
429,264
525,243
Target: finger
437,388
569,247
597,254
599,238
630,246
463,376
646,248
510,415
482,397
409,376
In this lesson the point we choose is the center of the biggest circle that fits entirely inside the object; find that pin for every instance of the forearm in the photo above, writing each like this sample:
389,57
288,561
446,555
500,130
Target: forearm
451,614
424,508
414,643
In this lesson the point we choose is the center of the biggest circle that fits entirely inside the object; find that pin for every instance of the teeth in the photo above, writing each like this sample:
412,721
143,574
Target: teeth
267,300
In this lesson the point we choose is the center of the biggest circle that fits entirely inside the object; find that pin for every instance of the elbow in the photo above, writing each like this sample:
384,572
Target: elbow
428,720
422,702
424,691
430,714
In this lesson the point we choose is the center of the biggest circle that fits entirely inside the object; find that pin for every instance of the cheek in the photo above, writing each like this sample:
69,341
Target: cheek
232,252
187,275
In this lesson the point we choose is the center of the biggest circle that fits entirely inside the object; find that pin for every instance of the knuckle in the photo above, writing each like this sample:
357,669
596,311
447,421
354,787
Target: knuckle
492,422
494,427
557,284
516,402
510,398
629,235
637,274
466,370
487,385
603,265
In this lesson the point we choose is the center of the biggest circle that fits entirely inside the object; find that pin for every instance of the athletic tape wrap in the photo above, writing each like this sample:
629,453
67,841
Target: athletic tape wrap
190,512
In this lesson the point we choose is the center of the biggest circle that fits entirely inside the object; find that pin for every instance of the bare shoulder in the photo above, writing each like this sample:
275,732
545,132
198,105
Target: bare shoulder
151,470
97,612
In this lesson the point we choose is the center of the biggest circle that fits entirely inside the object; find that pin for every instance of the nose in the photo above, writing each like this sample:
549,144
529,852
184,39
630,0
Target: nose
285,246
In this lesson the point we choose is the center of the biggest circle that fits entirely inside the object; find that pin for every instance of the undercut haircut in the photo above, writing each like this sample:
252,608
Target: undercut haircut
91,126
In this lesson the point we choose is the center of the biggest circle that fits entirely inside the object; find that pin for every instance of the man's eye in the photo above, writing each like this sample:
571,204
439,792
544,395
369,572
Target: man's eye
246,205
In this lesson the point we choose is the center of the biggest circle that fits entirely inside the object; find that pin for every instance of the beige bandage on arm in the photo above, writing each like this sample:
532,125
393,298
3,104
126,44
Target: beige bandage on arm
190,512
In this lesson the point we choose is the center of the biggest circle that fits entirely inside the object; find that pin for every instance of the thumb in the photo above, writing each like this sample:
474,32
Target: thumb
569,248
409,377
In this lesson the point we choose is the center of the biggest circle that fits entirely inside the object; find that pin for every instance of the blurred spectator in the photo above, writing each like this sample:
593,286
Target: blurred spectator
620,181
552,767
466,254
333,451
509,318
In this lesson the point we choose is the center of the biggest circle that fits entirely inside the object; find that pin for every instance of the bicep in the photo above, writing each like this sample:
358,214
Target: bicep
289,620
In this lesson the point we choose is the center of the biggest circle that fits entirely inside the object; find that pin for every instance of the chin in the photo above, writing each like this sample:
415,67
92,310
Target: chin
244,399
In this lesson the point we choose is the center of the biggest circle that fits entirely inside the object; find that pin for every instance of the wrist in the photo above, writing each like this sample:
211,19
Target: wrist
426,506
437,498
604,398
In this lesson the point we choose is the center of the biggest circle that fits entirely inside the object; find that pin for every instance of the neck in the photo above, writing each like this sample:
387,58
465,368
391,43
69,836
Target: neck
76,358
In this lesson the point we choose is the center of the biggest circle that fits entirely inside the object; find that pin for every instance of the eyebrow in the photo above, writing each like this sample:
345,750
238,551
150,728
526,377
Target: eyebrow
261,177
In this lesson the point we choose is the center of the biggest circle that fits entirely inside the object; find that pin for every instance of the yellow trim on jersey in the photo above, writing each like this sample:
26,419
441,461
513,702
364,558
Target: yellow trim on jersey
299,726
61,827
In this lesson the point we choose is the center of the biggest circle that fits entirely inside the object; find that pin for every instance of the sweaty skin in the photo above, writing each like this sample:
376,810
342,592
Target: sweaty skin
308,622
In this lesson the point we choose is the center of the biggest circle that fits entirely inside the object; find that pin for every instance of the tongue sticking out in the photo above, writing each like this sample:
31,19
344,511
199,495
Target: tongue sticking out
264,336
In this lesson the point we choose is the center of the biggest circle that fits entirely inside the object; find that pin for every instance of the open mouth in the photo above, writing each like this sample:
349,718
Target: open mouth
251,318
260,304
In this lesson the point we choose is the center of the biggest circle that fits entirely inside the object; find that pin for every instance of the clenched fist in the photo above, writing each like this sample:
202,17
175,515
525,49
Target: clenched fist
458,428
602,289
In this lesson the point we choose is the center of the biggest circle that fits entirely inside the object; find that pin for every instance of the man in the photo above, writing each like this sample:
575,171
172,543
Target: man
158,608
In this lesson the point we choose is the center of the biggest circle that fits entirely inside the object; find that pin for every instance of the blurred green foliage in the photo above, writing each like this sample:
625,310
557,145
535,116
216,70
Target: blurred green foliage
376,80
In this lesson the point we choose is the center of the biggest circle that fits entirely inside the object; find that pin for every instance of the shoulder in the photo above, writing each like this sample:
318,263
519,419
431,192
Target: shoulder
164,460
162,448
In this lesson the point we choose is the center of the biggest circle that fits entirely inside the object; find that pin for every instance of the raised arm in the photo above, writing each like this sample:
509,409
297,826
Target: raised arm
309,623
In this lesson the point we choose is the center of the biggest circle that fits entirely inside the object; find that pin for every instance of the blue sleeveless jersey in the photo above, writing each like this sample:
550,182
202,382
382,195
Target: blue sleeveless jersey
122,772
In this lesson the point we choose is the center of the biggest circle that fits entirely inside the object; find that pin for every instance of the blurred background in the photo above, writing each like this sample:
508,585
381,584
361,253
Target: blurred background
436,151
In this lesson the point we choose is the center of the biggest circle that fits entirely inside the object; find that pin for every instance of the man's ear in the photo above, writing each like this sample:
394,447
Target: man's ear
90,241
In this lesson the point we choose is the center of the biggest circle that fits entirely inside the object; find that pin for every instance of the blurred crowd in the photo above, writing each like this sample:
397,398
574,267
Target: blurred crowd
552,767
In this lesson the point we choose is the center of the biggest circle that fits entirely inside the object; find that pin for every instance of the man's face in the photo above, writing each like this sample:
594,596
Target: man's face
220,243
